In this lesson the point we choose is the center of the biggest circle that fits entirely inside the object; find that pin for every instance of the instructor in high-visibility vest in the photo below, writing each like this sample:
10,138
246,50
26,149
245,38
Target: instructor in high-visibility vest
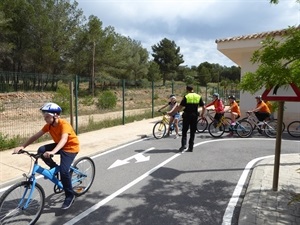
190,102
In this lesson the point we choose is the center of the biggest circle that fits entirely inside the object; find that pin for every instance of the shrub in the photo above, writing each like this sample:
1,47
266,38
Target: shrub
87,100
107,100
7,143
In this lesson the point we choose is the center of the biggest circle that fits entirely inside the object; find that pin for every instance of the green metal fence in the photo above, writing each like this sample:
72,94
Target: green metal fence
21,96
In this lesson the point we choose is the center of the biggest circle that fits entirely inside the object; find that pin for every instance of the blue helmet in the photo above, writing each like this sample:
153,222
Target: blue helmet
51,109
216,95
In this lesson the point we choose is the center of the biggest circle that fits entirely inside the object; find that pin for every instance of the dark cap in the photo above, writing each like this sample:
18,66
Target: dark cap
231,97
258,97
189,88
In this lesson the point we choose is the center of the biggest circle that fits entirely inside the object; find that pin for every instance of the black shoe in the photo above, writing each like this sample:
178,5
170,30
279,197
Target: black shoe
68,202
190,150
259,130
182,148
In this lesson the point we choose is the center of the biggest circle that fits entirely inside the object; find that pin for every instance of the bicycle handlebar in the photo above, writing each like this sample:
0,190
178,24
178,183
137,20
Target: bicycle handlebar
33,155
164,113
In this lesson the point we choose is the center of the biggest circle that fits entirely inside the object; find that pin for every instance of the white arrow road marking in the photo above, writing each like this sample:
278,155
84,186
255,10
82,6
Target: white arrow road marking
138,157
120,191
141,158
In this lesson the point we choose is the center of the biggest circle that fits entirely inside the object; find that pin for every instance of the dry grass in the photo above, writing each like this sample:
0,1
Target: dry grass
20,116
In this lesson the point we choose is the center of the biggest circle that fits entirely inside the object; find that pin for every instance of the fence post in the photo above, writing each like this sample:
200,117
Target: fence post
71,103
152,99
172,86
206,89
76,102
123,101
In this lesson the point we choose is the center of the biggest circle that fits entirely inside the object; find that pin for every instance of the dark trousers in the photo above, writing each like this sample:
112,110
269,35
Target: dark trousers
261,116
218,116
189,122
66,160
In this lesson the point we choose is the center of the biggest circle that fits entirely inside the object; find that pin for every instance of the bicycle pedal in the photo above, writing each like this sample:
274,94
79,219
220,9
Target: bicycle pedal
79,189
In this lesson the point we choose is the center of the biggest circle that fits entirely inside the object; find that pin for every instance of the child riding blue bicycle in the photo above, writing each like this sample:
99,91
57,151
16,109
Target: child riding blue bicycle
66,144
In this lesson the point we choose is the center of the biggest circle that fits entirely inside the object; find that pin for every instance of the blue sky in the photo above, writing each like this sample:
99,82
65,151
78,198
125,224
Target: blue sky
194,25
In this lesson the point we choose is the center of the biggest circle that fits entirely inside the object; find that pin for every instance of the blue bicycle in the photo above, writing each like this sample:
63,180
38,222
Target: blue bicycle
24,202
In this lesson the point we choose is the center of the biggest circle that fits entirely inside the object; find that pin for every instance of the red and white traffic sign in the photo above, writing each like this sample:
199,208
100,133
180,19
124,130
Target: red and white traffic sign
289,93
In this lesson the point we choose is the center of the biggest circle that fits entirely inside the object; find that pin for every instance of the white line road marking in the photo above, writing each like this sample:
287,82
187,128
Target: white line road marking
120,191
145,175
227,218
138,157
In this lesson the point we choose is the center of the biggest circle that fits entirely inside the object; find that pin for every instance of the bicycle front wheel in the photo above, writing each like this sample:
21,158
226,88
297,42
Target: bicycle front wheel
82,175
18,207
202,125
283,124
270,129
159,130
294,129
216,129
244,129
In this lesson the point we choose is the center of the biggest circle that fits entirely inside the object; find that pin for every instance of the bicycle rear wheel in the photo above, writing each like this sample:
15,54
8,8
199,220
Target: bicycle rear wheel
202,125
216,129
270,128
294,129
244,129
82,175
180,125
12,204
159,130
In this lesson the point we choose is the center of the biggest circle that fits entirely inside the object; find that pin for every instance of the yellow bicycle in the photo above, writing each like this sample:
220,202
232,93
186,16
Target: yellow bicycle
203,123
160,127
217,128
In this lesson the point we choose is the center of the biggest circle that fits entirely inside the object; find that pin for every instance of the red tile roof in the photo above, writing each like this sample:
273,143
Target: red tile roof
254,36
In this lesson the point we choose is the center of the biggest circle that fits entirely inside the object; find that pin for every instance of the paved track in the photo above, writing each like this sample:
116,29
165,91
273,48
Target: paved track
170,174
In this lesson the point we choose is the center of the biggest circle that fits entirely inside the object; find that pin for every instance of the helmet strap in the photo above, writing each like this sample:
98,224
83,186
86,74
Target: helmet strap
54,120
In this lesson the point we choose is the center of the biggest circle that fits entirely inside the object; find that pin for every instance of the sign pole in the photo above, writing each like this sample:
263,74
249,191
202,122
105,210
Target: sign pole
278,145
291,93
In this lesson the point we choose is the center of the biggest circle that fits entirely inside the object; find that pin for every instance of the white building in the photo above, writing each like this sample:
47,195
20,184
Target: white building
240,50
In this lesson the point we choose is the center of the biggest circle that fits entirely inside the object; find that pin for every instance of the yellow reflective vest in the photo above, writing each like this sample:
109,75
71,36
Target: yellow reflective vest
192,98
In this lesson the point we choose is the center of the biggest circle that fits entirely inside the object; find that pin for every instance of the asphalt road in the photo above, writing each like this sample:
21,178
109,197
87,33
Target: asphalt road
149,182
